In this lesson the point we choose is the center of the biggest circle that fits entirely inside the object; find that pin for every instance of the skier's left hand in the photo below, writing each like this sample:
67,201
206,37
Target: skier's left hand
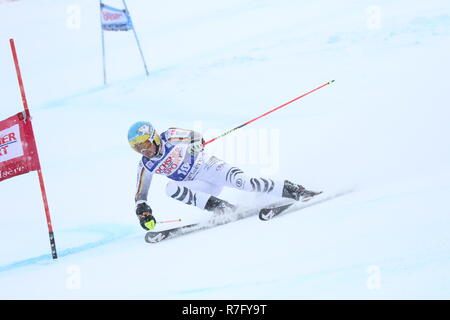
146,218
147,221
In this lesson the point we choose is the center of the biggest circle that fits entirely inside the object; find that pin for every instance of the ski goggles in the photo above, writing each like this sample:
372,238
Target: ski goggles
142,147
143,138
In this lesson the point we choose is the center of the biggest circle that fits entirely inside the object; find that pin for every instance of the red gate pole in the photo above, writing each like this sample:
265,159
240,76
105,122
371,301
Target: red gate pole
41,178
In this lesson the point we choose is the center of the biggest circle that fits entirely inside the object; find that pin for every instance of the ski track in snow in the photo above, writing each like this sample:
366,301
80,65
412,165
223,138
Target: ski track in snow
106,235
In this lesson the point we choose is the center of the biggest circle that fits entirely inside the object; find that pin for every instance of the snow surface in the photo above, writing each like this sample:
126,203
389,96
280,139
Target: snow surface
381,130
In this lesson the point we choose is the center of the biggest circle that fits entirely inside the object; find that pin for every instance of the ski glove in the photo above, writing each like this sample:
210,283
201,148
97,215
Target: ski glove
196,146
144,213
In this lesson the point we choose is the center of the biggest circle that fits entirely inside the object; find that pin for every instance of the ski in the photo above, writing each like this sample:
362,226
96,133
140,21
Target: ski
156,236
266,213
269,213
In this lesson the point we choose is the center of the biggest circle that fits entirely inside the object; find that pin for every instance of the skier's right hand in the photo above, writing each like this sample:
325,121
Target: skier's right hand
196,147
146,218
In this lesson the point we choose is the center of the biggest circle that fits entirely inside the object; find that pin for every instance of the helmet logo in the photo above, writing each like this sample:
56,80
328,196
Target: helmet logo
147,130
144,129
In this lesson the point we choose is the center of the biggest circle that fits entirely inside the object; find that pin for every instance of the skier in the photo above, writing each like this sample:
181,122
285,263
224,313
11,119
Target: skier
196,178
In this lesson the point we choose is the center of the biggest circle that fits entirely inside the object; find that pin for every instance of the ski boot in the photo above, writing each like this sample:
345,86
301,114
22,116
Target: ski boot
219,206
297,192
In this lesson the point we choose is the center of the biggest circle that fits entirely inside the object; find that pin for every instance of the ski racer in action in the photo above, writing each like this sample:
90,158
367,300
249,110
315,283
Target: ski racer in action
196,178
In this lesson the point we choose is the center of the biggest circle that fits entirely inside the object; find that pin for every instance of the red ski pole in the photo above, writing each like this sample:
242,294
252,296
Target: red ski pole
268,112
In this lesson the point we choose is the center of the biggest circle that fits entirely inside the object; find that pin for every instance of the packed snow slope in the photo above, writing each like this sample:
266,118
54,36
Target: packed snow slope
381,130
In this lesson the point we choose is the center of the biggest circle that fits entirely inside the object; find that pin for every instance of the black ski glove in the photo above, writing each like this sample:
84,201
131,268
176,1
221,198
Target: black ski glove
144,213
